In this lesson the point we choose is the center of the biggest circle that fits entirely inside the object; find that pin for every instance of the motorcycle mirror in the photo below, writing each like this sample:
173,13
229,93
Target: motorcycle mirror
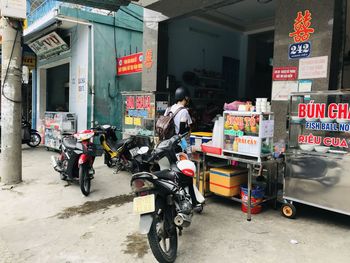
143,150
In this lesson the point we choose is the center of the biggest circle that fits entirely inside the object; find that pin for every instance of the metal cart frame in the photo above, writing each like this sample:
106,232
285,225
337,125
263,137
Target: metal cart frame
317,179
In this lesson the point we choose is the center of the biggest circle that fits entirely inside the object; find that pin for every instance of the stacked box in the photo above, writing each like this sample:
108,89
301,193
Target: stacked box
226,181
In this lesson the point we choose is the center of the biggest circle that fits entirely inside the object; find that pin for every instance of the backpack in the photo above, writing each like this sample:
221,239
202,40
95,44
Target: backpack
165,126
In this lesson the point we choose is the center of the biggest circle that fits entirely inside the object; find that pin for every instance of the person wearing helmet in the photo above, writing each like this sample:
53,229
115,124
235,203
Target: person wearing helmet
182,119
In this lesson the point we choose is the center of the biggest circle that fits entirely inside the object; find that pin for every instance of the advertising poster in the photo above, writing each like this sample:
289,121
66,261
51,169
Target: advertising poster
130,64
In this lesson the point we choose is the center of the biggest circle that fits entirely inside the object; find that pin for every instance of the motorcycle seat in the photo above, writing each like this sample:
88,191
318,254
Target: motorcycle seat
114,145
69,142
166,174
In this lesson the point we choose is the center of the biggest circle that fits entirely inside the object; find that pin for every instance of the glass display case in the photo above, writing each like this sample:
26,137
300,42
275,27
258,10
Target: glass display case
141,111
56,124
248,133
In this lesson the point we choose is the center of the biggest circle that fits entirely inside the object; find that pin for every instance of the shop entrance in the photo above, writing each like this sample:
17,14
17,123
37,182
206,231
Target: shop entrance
221,55
57,84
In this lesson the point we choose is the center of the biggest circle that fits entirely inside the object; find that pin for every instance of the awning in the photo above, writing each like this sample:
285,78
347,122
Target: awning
112,5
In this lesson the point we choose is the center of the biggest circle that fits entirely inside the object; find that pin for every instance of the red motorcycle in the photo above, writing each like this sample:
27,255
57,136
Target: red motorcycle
76,159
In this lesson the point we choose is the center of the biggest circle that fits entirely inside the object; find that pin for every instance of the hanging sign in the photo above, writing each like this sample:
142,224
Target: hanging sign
130,64
299,50
302,27
49,46
285,73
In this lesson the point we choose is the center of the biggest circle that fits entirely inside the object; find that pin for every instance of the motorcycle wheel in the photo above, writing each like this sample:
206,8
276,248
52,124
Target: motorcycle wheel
163,246
84,180
35,140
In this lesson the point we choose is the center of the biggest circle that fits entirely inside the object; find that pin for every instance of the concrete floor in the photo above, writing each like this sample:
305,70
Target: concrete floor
43,220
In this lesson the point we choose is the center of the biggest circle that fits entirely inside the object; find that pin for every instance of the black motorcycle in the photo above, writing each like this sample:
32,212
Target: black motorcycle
30,136
165,199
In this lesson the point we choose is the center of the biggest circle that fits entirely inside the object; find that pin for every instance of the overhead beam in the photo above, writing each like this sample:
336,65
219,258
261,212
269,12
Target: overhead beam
172,9
112,5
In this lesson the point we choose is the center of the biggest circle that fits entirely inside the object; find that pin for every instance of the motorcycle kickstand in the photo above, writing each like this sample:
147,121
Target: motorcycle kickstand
180,231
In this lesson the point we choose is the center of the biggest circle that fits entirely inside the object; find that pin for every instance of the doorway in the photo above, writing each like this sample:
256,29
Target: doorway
57,83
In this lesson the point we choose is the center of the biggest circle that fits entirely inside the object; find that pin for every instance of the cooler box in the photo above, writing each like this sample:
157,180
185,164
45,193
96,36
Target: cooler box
226,181
197,138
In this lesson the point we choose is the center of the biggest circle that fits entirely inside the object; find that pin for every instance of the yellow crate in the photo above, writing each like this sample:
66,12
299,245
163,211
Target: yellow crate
226,181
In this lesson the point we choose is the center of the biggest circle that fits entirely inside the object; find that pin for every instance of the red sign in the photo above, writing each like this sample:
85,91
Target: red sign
302,27
130,102
130,64
149,59
285,73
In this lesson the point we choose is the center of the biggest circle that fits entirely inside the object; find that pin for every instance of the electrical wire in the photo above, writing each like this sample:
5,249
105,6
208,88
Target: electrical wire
7,69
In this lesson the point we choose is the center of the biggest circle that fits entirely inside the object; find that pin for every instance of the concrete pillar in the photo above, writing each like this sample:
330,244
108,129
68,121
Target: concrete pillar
150,49
11,106
323,21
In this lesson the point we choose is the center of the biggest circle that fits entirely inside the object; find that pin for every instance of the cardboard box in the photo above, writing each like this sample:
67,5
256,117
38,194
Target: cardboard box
226,181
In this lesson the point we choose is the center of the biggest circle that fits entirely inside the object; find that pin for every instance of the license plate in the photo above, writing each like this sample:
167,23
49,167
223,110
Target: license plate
134,151
144,204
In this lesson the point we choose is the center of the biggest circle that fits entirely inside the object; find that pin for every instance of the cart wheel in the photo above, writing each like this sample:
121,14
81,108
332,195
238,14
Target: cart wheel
288,210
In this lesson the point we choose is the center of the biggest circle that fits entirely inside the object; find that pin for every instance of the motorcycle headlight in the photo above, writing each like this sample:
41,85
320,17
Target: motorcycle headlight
140,185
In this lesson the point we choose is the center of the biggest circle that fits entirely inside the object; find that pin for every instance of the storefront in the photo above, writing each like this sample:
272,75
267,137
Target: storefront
252,53
236,50
76,70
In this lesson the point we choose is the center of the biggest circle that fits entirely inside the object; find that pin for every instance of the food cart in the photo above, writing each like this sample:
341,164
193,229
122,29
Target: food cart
248,143
141,110
317,155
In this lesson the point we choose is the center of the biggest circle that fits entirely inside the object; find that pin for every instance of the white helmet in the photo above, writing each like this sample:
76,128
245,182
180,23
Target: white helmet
187,167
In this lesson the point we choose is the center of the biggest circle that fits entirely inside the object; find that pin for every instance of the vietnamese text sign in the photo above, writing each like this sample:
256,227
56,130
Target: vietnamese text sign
313,68
130,64
14,8
48,46
285,73
282,89
337,113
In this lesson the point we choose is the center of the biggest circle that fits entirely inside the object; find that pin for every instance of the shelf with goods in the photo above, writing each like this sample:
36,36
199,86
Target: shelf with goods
57,124
248,134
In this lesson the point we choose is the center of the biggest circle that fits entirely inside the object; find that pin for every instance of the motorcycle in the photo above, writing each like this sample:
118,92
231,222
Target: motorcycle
164,199
30,136
119,153
76,159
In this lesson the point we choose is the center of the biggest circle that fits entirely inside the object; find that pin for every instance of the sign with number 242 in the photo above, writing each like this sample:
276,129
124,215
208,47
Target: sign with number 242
299,50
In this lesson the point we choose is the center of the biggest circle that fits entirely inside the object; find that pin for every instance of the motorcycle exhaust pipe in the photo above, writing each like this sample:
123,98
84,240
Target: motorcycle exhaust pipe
182,220
55,164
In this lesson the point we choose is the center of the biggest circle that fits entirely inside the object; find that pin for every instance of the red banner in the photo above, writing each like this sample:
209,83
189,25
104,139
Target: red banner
130,64
285,73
